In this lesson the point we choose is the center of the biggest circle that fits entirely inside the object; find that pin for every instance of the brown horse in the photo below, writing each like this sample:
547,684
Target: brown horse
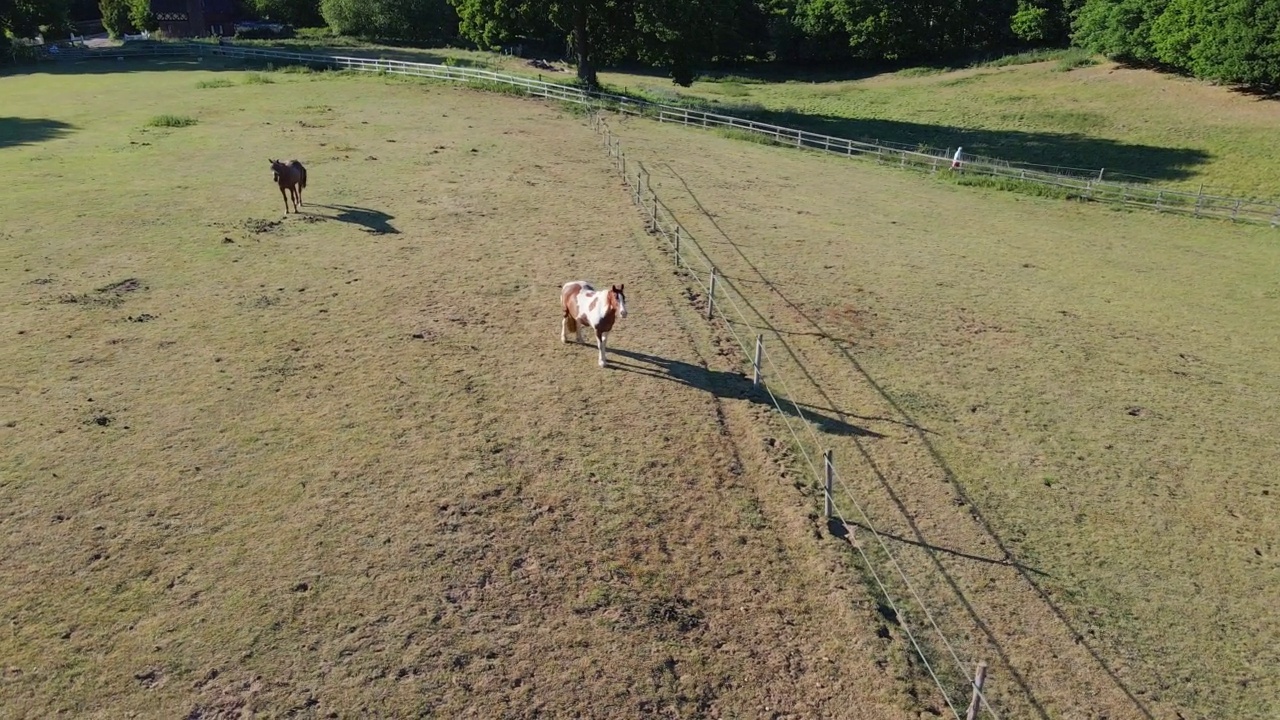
291,176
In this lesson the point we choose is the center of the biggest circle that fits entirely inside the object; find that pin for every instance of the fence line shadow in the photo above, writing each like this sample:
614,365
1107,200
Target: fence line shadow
1027,574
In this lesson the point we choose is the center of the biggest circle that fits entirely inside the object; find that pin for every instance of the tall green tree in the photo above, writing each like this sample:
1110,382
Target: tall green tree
23,18
115,16
676,34
300,13
1119,29
412,20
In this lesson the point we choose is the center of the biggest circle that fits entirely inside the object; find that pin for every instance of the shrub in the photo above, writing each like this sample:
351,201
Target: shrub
171,121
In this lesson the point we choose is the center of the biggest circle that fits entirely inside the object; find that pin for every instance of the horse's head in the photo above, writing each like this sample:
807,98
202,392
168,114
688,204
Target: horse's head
619,299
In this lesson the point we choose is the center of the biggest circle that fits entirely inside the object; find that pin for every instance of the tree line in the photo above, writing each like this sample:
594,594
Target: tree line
1230,41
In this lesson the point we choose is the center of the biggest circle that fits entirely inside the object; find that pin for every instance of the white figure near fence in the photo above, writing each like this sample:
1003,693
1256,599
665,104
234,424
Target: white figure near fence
955,161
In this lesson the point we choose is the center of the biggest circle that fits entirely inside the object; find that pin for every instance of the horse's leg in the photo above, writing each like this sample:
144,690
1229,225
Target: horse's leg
299,192
600,342
293,193
284,194
564,329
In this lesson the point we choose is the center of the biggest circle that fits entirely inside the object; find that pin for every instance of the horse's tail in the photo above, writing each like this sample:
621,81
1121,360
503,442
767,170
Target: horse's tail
302,172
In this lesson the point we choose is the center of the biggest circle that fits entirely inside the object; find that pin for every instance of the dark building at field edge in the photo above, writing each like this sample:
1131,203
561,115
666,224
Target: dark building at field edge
194,18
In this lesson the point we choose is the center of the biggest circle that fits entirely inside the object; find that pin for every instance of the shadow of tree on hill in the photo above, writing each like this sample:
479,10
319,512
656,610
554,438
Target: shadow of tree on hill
1068,150
727,385
16,131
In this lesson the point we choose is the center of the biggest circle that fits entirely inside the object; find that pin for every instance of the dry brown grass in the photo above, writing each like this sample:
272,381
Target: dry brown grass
1077,410
338,464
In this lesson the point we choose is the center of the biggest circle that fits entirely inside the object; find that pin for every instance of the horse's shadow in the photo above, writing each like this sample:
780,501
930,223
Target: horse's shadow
728,385
374,222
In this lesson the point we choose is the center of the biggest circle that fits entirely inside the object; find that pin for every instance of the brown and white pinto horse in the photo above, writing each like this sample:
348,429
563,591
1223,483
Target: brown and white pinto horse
582,305
290,176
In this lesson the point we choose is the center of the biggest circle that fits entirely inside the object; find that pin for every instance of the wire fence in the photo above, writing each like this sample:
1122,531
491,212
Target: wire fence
1077,183
719,294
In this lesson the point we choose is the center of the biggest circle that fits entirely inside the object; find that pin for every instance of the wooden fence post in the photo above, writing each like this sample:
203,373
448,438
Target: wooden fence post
829,472
711,296
1199,199
1235,213
655,212
978,680
678,229
755,376
1159,200
1275,219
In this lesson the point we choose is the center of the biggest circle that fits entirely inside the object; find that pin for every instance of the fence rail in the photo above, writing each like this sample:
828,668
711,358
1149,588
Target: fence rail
1079,183
720,305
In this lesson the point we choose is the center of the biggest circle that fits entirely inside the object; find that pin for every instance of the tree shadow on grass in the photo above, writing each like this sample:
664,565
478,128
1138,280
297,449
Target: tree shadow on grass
728,385
1067,150
374,222
104,62
16,131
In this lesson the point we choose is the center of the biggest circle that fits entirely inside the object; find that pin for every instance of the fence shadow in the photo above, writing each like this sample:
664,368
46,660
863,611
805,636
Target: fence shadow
1029,575
726,385
16,131
374,222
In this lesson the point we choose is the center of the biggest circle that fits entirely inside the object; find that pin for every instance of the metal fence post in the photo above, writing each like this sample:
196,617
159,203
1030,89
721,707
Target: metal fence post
678,229
655,212
755,377
829,470
711,296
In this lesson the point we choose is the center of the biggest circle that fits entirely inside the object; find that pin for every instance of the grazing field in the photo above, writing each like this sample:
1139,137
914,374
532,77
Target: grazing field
1076,409
1134,123
1139,125
338,464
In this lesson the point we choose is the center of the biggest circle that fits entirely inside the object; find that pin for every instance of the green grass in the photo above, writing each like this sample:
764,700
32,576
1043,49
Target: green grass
1050,107
339,462
1092,390
214,83
169,120
259,78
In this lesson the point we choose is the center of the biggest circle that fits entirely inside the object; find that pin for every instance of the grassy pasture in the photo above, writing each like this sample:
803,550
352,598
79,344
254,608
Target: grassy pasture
1085,393
1065,109
338,464
1176,131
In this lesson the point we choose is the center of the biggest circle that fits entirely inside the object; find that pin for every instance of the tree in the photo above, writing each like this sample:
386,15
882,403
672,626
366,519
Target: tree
1232,41
1031,23
141,17
412,20
1119,29
676,34
23,18
115,16
300,13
